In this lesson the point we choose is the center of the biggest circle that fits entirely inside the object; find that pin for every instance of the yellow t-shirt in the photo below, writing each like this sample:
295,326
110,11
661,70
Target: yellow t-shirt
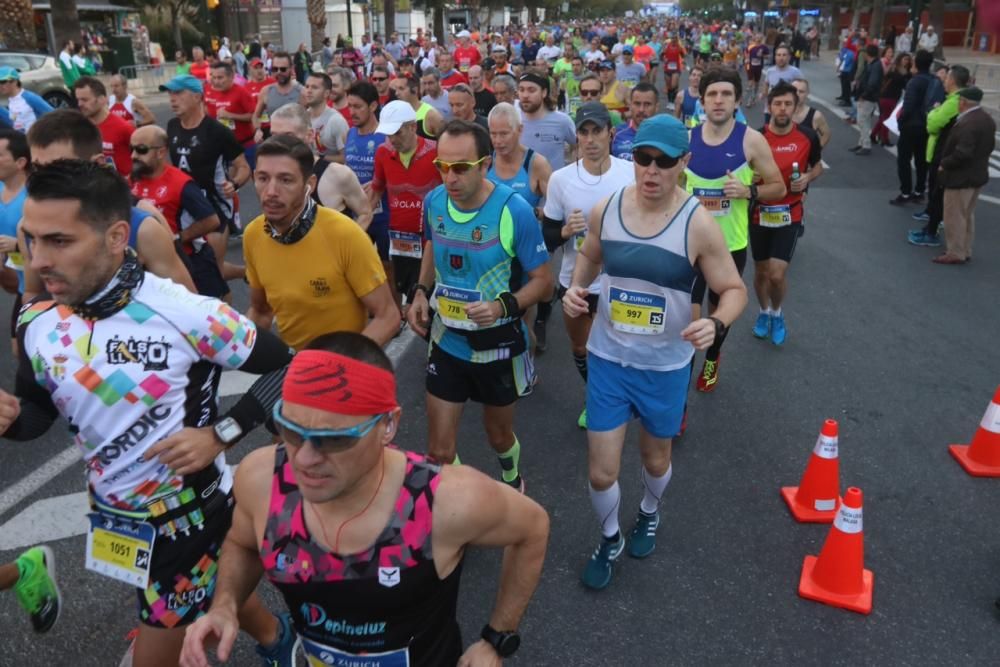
314,286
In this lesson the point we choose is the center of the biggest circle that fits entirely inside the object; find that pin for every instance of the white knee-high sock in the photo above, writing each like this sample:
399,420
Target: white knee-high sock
653,488
606,504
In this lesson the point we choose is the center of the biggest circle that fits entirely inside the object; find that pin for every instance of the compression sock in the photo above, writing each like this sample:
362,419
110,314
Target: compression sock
606,504
581,365
544,311
653,489
509,460
776,312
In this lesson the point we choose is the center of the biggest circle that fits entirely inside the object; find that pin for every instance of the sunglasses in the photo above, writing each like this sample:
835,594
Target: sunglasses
142,149
590,93
282,69
377,79
644,159
458,167
324,441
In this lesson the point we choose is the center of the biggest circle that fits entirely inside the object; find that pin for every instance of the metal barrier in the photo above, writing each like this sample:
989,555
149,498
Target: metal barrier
147,79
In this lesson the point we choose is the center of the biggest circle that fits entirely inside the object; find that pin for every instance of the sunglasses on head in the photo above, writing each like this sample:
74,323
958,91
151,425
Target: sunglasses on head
325,441
142,149
458,167
644,159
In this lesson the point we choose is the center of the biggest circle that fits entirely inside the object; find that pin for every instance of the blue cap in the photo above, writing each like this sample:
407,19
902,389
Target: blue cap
9,74
664,133
183,82
628,50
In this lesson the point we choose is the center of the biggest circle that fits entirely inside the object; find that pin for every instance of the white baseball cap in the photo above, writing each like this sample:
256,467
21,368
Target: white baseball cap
394,115
464,33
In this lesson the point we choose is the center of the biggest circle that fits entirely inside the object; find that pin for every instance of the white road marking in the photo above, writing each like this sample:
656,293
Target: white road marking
839,112
64,516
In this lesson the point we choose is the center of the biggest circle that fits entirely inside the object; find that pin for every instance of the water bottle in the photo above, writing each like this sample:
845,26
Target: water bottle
796,175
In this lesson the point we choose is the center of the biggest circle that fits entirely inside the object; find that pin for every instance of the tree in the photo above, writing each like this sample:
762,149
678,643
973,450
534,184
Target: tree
834,25
316,12
17,25
878,13
937,20
389,7
65,22
179,13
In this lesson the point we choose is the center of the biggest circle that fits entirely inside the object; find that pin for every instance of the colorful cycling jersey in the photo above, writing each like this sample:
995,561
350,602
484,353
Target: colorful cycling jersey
706,177
125,382
521,181
385,600
478,255
359,156
799,146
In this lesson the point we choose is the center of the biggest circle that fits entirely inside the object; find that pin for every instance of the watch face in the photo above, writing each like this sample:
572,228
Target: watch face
228,430
509,644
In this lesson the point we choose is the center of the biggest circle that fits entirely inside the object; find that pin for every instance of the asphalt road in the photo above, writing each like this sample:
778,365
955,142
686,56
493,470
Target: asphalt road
900,351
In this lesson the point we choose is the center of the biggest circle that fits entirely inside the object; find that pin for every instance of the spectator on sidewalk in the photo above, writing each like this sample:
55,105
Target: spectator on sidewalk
921,94
868,90
893,84
904,43
965,169
928,40
845,70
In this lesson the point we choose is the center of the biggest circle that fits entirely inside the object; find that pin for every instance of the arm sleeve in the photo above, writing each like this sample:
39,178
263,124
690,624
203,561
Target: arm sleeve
269,358
552,233
529,247
195,203
38,412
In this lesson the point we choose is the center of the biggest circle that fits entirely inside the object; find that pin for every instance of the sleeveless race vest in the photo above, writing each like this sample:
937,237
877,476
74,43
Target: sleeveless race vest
122,108
689,107
421,117
645,293
521,182
706,176
276,99
611,99
359,156
387,599
165,192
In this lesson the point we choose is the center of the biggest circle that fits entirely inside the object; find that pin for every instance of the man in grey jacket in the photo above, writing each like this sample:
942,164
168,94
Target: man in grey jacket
869,88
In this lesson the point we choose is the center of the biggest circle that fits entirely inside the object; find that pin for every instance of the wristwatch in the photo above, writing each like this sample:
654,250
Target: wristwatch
753,191
504,643
228,431
720,328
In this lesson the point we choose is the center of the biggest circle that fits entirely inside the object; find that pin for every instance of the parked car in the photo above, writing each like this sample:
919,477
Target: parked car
40,73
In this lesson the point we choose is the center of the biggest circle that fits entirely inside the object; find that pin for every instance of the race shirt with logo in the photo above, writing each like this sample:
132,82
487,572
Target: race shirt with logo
115,135
621,146
254,88
237,100
359,156
125,382
406,185
123,108
466,57
706,178
178,198
382,607
801,146
478,255
673,57
205,152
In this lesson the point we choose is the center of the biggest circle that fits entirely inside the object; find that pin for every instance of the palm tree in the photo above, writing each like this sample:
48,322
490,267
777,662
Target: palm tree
65,22
17,25
316,11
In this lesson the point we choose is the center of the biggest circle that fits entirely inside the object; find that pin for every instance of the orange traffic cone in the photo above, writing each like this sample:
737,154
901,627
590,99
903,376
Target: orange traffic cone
814,500
838,576
982,457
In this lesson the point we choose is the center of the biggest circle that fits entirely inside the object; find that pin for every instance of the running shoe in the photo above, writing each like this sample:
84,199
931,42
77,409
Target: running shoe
709,376
917,198
762,328
642,541
922,238
517,483
778,332
901,199
36,587
540,336
597,574
582,421
283,652
922,216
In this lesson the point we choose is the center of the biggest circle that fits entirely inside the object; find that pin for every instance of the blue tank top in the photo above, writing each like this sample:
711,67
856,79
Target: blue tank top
138,215
521,183
710,162
359,156
621,146
688,105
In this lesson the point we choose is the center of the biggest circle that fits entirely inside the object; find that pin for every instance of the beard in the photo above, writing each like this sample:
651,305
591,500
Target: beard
141,170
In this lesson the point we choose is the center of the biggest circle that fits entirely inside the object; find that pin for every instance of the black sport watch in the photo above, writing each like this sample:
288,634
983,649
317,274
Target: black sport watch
720,328
504,643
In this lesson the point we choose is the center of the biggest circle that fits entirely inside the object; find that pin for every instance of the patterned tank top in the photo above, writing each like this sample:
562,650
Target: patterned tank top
387,602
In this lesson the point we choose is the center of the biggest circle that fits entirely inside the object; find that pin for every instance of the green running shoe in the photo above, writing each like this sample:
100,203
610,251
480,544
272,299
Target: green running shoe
36,588
642,541
597,574
582,421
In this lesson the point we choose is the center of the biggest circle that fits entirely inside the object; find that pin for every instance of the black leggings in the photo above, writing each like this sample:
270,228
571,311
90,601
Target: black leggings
700,286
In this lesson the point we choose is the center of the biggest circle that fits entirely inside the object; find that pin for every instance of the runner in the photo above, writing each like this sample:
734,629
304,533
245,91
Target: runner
429,120
478,348
485,99
23,106
127,106
92,99
405,172
15,164
340,78
272,97
434,94
673,65
432,513
379,77
726,159
257,80
780,71
613,93
33,574
513,164
462,100
810,117
329,127
188,212
66,134
686,102
644,102
230,104
757,54
573,191
544,130
643,337
773,230
161,485
310,268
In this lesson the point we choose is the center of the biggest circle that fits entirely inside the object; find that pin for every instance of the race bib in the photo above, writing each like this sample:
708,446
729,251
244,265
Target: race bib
265,118
120,548
755,62
228,122
714,200
378,208
451,303
572,104
672,66
15,260
320,655
405,244
637,312
775,216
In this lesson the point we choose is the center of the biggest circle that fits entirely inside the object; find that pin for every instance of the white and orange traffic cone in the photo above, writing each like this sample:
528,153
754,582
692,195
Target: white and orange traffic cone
814,500
838,576
981,458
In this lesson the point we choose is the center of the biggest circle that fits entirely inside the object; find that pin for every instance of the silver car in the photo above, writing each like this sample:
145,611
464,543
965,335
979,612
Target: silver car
40,73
